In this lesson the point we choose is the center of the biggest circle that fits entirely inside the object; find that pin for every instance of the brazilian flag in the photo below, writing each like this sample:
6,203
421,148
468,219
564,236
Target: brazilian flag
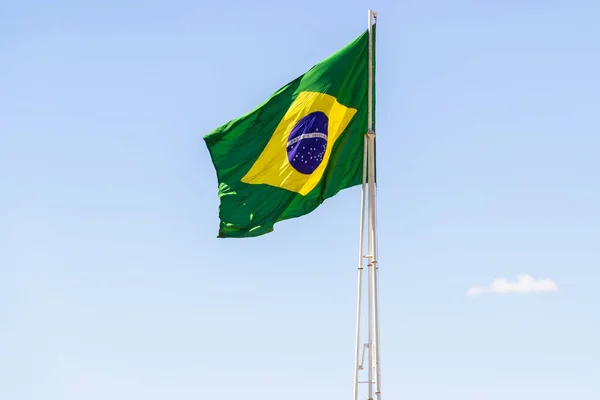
300,147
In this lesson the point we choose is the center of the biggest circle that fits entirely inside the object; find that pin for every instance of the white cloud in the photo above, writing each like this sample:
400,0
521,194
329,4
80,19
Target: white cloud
523,284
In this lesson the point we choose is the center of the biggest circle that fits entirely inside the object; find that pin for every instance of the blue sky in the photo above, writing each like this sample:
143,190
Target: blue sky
113,284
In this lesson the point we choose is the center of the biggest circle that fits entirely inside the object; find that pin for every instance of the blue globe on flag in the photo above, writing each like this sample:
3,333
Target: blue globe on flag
307,142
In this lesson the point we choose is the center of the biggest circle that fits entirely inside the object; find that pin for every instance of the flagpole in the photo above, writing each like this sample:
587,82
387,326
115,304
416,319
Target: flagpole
369,188
369,212
373,225
374,371
361,256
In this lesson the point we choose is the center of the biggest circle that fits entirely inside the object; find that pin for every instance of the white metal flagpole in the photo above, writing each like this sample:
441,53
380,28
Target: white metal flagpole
369,187
375,373
361,255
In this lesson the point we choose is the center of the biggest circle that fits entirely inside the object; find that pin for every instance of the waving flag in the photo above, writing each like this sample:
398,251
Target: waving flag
300,147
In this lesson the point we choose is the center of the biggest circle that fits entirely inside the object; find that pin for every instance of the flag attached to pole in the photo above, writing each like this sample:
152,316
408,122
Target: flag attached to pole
300,147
